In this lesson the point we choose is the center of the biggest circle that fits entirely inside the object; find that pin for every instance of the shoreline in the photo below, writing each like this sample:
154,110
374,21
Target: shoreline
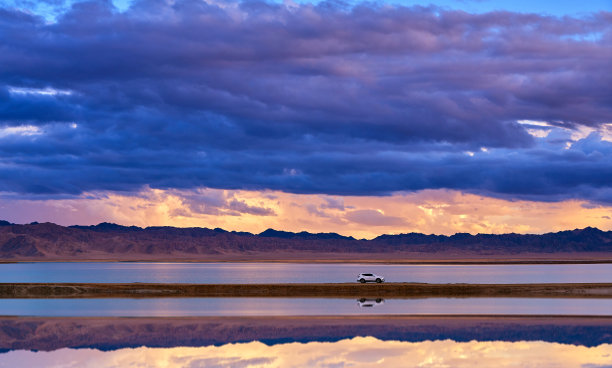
315,290
346,319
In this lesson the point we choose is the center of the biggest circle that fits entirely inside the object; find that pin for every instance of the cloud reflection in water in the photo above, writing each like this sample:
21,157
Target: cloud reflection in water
355,352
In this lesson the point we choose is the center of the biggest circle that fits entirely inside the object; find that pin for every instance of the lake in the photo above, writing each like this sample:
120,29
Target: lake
247,273
311,342
298,332
190,307
110,333
355,352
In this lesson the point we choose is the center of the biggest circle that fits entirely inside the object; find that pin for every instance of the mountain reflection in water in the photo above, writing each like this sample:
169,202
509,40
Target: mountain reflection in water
355,352
48,334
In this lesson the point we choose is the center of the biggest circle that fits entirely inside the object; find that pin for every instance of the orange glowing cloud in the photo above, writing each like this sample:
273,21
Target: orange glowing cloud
428,211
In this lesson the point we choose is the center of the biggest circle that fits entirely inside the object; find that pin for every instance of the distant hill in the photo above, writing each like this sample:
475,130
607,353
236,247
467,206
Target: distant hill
48,241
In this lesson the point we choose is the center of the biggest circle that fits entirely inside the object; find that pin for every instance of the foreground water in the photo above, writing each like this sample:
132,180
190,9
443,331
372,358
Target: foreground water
298,332
389,341
246,273
354,352
111,333
180,307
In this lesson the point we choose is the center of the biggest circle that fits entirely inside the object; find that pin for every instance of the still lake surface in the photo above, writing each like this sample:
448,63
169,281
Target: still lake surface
389,341
252,273
192,307
355,352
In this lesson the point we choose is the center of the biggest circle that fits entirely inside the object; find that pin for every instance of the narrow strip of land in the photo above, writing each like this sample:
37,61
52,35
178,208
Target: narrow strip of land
328,290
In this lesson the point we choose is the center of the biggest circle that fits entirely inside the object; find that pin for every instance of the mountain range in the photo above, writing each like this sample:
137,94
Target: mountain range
106,241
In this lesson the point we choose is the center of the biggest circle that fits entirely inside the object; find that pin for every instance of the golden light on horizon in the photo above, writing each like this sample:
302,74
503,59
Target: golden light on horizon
429,211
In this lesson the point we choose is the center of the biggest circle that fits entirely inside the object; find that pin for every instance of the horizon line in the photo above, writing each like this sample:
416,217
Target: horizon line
8,223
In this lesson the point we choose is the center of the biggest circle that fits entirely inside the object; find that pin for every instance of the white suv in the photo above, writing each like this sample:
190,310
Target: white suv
367,303
365,277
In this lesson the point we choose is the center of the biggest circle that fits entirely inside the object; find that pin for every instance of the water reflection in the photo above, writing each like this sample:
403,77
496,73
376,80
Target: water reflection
48,334
181,307
354,352
368,303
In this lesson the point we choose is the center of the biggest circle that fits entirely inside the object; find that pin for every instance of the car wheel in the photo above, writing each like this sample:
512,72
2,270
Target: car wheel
362,281
378,281
378,300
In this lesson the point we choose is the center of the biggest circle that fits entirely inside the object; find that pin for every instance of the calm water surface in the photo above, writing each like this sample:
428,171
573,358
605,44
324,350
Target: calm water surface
184,307
355,352
244,273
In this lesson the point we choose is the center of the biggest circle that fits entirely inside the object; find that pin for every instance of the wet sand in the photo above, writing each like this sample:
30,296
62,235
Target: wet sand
327,290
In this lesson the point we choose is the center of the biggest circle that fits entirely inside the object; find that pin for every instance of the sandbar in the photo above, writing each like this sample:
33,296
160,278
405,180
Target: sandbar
309,290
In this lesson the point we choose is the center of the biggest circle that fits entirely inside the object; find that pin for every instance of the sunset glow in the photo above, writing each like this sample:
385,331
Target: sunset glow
305,183
430,211
356,352
352,117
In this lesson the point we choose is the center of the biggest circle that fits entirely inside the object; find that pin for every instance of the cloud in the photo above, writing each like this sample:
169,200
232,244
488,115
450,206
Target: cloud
374,218
333,203
23,130
218,203
315,99
429,211
242,207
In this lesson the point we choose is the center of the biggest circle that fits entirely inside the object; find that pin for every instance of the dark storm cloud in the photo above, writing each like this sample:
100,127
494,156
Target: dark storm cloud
305,99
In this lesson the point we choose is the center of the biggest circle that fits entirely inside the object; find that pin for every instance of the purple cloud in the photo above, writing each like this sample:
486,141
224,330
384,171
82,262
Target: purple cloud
374,218
305,99
219,203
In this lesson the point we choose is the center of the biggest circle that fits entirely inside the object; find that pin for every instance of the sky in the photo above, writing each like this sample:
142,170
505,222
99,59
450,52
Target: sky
360,118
